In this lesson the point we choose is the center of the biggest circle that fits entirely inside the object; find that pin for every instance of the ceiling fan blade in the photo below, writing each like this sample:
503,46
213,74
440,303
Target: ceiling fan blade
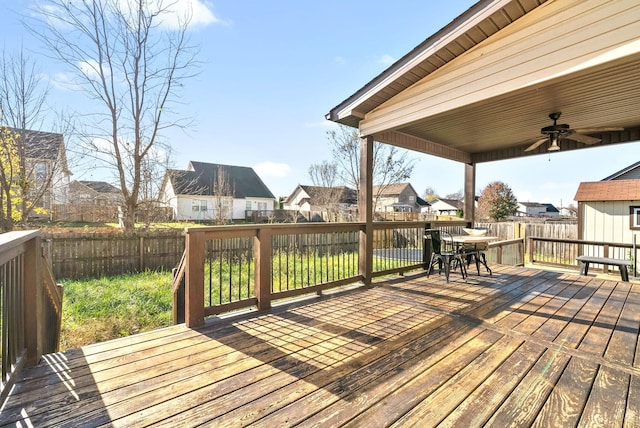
585,139
597,130
536,144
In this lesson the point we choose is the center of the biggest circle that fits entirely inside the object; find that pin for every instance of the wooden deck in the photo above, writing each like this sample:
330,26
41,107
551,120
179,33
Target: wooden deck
523,347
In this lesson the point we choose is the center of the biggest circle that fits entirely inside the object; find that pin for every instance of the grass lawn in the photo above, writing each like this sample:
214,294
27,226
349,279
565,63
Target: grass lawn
95,310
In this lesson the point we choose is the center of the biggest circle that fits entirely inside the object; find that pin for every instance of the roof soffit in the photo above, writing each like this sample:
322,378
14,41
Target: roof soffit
479,22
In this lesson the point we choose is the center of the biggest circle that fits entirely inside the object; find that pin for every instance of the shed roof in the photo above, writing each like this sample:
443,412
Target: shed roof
611,190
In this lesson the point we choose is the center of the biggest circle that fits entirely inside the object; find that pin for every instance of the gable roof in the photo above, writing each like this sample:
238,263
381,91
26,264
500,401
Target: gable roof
99,186
477,90
202,178
532,204
628,172
421,202
393,189
453,203
346,194
39,144
611,190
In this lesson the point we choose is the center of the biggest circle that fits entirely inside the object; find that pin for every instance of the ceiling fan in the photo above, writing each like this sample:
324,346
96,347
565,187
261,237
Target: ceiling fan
554,133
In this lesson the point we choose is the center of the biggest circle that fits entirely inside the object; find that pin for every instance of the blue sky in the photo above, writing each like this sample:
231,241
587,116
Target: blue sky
273,69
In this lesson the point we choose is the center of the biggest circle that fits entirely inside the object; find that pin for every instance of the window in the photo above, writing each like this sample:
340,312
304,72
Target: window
262,206
412,198
248,206
40,170
634,218
198,205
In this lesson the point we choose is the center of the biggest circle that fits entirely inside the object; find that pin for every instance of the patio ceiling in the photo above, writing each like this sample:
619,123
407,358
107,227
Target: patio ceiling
481,88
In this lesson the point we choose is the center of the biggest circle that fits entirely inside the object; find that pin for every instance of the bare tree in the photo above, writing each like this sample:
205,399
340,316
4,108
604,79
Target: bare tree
131,57
457,196
430,194
38,159
222,192
325,193
391,165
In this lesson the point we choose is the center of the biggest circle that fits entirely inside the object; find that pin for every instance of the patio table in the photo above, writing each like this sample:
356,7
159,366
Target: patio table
472,246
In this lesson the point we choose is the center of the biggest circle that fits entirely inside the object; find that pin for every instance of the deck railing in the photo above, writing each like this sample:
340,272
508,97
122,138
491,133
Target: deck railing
30,305
232,267
508,252
563,252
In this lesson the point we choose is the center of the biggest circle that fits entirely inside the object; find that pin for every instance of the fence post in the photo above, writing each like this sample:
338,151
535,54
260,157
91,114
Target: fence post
194,276
530,251
141,248
605,254
262,250
33,305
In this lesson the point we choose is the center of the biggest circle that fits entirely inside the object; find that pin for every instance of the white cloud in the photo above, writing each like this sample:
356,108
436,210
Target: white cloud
90,68
387,59
198,11
340,60
272,169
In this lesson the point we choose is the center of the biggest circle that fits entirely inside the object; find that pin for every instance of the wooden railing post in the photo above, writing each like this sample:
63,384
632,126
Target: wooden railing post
262,250
194,275
33,304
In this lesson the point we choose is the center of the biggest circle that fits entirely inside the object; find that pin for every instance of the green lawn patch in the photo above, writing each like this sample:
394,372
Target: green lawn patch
95,310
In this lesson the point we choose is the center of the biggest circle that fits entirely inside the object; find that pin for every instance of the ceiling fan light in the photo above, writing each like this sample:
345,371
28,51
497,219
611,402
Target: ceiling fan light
553,147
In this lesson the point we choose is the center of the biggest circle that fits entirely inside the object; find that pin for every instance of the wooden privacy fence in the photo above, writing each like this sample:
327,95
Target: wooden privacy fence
92,255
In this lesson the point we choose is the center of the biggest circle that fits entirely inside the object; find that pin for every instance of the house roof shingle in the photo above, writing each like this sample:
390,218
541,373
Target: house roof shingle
100,186
41,145
391,189
202,179
622,172
347,194
611,190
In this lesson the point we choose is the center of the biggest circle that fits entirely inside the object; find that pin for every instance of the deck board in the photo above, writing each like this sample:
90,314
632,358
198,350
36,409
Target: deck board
521,347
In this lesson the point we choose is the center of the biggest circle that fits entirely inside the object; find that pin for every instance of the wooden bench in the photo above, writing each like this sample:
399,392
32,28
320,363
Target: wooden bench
622,264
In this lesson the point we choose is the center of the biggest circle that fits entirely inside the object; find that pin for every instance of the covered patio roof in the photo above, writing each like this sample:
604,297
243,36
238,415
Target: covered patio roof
481,88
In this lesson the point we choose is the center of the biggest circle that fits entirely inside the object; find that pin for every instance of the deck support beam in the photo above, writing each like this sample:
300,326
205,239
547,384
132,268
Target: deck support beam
470,192
365,209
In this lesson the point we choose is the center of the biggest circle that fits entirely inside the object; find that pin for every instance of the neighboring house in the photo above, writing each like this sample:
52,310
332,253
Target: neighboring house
446,206
95,193
207,191
423,206
400,197
46,162
609,210
536,209
329,203
568,212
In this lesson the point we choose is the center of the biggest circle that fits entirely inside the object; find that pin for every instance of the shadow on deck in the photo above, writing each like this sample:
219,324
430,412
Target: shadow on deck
523,346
